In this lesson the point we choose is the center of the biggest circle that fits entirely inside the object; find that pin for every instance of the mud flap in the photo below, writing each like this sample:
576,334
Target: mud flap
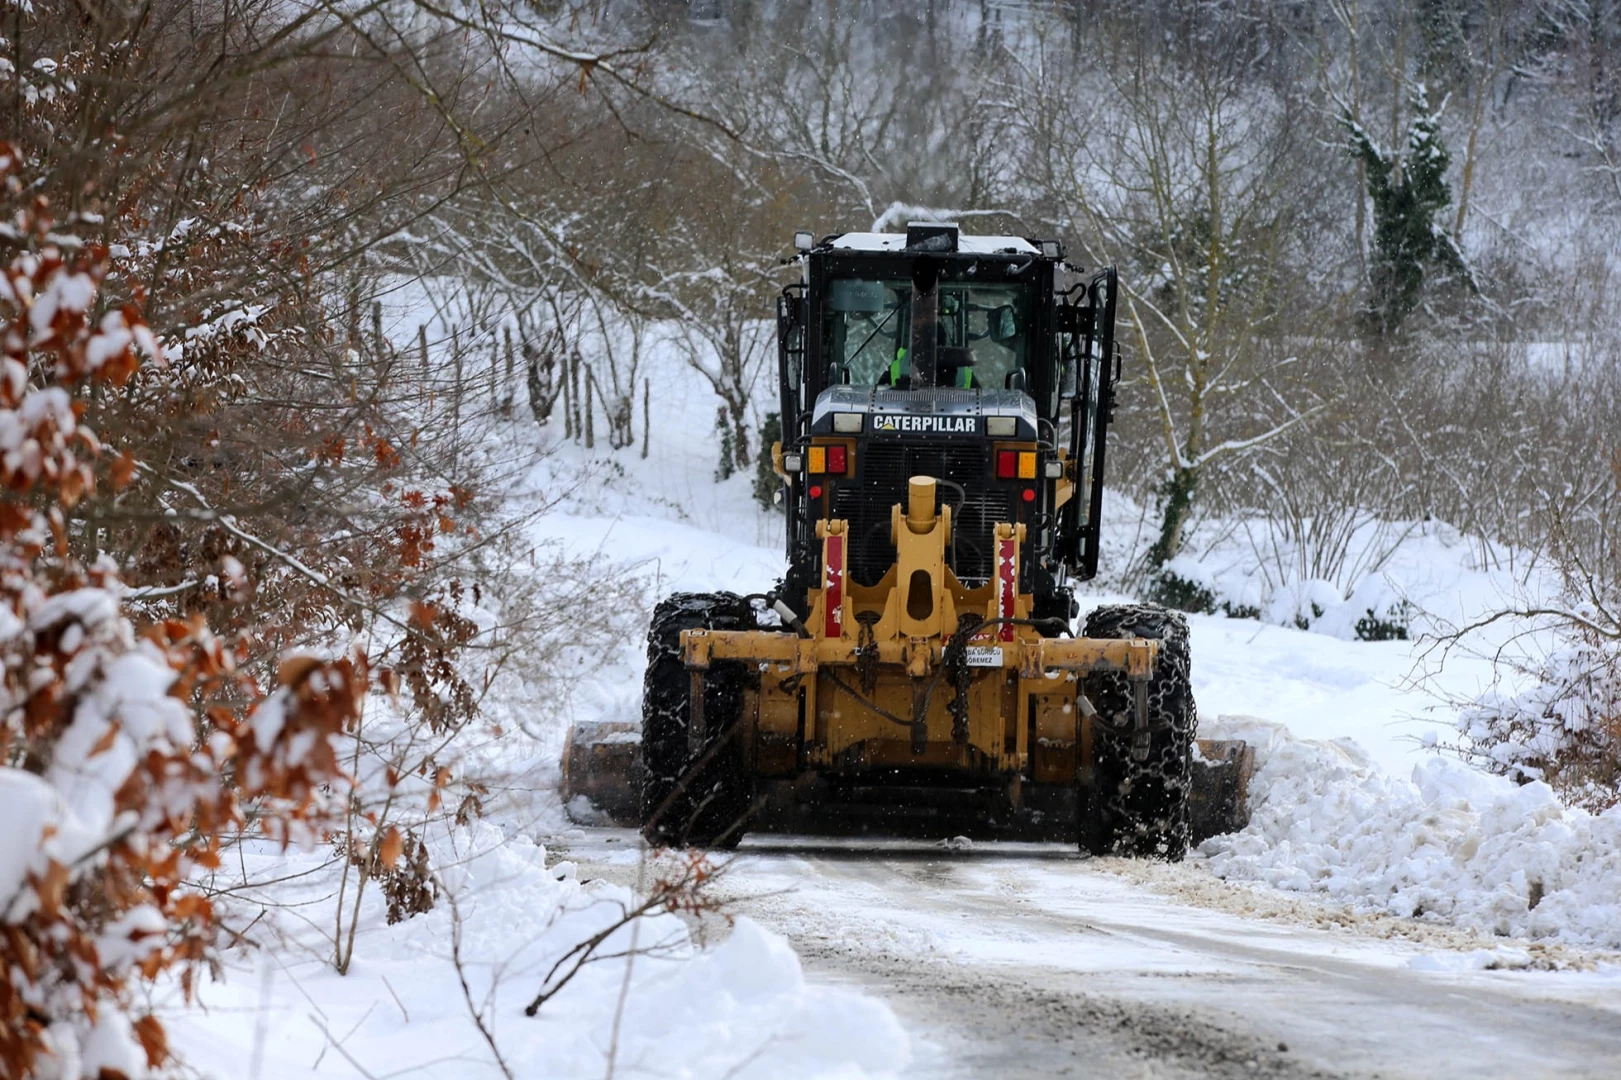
1219,788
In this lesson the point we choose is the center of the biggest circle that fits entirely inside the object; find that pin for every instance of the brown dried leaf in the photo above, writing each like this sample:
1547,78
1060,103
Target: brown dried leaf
154,1040
388,853
295,669
51,888
122,471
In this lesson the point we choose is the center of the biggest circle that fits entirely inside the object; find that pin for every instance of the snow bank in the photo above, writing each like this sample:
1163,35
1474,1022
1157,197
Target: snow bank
743,1008
1450,845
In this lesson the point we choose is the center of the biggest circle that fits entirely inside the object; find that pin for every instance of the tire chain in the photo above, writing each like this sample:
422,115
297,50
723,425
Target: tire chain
716,797
1144,804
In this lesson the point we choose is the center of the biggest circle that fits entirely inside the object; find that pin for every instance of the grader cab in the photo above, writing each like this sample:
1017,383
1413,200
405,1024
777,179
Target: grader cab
945,401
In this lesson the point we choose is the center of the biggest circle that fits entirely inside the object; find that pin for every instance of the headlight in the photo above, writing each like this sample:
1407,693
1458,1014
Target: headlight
847,423
792,463
1001,427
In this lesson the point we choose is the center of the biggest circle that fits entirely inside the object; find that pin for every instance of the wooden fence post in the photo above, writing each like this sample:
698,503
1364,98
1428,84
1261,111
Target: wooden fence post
455,397
568,398
574,375
422,351
590,438
510,388
647,419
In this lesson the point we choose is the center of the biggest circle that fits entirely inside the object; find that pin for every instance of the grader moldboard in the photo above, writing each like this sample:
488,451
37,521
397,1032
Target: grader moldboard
945,400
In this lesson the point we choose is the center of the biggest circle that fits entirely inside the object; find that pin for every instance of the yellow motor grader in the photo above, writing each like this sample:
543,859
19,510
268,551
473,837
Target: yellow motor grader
945,400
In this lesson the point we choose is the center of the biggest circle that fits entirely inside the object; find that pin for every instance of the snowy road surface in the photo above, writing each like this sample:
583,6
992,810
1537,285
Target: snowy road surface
1025,960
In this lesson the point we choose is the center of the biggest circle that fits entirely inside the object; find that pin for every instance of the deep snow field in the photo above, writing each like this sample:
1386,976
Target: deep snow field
1356,808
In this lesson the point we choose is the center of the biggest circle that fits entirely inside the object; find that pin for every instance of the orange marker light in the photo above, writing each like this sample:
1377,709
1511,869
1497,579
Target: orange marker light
818,459
1027,465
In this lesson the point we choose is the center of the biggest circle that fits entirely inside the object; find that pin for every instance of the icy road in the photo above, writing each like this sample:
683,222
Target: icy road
1007,960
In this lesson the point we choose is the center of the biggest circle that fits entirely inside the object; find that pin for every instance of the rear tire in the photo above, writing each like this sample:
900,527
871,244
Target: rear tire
1140,808
700,799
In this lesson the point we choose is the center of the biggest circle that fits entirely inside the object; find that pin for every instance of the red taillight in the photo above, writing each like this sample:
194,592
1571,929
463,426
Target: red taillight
1029,494
836,460
1007,464
816,491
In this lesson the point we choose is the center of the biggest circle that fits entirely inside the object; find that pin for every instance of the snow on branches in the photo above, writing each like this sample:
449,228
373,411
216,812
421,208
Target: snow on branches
1565,730
124,757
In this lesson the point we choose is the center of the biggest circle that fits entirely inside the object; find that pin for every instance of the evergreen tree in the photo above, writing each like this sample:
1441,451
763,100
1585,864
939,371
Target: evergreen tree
1410,195
728,446
766,480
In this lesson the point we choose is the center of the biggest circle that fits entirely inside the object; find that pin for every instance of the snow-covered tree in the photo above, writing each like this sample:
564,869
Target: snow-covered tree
125,758
1410,196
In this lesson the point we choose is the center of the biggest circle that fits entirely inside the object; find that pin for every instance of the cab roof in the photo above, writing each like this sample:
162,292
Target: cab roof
966,245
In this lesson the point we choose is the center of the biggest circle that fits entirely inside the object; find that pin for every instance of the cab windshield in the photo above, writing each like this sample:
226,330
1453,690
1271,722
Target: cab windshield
868,328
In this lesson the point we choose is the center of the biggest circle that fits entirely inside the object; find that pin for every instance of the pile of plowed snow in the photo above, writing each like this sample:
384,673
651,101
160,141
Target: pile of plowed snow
1450,845
506,915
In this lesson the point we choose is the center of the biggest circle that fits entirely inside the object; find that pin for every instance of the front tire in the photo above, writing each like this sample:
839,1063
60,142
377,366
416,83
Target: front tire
702,798
1140,808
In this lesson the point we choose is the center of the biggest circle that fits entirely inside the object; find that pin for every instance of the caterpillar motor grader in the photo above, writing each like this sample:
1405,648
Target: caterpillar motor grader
944,400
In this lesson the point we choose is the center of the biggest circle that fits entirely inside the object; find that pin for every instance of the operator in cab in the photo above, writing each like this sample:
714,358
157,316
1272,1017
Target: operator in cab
981,335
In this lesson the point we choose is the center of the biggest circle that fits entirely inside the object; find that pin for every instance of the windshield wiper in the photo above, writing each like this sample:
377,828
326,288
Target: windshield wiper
875,330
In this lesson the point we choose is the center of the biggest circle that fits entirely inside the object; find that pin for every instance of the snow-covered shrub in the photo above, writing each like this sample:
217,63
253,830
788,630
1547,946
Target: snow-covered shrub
1564,730
1371,611
124,758
1392,625
1172,590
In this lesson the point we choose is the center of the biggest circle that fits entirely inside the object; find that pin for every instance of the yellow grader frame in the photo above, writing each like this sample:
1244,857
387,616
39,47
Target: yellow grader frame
916,675
869,664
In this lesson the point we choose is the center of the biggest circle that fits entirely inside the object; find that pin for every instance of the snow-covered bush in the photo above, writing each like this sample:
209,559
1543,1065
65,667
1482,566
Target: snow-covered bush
1565,730
124,758
1372,610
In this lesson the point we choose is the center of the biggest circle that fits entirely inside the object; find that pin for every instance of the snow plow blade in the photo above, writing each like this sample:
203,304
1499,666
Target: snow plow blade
1219,795
602,764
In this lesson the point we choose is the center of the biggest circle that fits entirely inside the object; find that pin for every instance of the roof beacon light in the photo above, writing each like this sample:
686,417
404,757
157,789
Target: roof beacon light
939,237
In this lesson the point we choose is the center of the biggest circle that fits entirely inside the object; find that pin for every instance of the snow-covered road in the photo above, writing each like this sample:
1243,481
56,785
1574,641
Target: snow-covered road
1026,960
